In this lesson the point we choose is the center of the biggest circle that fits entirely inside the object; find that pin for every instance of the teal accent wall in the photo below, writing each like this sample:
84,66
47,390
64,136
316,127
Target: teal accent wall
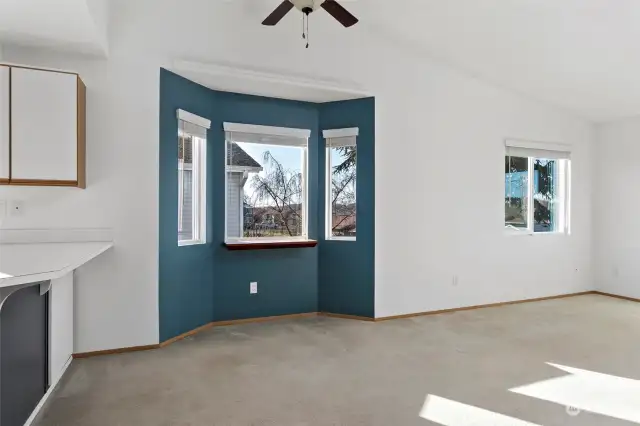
204,283
346,283
186,273
287,278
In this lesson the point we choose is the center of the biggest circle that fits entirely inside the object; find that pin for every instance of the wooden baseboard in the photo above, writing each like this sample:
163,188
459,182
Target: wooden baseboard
185,335
490,305
115,351
343,316
332,315
235,322
631,299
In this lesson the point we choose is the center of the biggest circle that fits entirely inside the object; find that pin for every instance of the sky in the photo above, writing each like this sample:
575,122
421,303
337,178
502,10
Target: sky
289,157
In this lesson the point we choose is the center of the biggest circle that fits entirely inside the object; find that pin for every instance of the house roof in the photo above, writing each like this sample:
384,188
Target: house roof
236,155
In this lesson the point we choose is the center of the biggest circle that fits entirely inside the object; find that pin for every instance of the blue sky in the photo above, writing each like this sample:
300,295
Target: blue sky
289,157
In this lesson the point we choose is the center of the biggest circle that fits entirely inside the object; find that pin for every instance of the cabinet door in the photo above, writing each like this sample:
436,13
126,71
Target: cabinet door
44,126
4,124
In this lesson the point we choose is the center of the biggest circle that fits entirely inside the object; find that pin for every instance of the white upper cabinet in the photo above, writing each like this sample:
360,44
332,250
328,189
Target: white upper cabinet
44,126
4,124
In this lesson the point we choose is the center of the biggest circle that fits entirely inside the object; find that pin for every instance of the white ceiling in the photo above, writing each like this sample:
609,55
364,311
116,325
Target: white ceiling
69,25
583,55
580,54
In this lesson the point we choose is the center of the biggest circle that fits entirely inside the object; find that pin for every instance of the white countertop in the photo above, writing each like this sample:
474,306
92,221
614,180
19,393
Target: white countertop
33,262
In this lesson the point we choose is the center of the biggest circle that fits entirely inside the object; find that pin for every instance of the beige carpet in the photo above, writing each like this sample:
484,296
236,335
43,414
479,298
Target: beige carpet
325,371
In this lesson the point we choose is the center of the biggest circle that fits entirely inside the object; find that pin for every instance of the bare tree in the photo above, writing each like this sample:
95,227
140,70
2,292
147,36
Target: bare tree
281,190
343,198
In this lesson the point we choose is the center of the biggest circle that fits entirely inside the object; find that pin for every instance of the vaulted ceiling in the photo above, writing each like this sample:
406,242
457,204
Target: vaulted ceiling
580,54
583,55
70,25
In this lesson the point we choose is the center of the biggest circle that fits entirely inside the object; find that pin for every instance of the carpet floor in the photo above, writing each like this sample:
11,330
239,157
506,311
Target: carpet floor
325,371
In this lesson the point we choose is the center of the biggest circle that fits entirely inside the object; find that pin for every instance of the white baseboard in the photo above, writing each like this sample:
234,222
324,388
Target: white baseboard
46,396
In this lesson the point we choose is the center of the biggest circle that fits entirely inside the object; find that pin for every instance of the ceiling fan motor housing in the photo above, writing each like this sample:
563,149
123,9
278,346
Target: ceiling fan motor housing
307,6
332,7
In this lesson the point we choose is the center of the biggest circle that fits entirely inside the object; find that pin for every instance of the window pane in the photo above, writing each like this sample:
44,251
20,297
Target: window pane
185,188
265,191
516,173
342,197
191,184
547,202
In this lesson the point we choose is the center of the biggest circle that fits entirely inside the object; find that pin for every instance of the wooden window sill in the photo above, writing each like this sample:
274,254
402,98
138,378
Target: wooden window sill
269,245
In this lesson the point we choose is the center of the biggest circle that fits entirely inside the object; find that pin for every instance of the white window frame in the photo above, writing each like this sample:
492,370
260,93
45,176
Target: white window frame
349,137
544,150
274,136
199,177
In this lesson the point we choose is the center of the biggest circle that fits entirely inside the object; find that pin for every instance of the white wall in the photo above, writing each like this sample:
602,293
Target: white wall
617,234
116,300
439,163
99,14
440,159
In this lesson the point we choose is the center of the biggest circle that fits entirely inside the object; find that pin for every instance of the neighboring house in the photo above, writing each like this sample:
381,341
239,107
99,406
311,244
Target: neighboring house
239,165
268,220
343,220
185,189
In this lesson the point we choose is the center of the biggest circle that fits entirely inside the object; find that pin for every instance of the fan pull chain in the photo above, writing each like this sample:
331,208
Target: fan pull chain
308,38
304,35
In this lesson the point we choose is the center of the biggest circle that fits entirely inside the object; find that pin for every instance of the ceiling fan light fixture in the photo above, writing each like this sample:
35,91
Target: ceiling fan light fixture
307,7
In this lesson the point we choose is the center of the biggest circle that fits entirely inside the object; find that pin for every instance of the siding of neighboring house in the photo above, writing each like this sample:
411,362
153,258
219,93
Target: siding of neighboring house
234,192
187,188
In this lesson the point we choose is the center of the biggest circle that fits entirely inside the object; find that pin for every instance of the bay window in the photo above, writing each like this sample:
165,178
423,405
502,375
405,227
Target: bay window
266,183
341,183
192,206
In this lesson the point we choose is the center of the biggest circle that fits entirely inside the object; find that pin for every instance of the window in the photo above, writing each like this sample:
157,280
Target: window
536,187
266,183
192,148
341,174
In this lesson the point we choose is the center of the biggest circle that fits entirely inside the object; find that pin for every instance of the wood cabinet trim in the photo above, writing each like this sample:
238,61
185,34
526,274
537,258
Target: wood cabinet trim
10,118
37,182
80,182
81,151
40,69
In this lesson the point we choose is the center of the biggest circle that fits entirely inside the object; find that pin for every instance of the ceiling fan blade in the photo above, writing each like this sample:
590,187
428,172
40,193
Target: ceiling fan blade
278,13
340,13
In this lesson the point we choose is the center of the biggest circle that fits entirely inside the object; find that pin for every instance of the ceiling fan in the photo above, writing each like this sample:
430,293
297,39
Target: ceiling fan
334,8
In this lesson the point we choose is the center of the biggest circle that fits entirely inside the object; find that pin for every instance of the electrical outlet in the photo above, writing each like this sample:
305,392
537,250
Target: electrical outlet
455,281
253,288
